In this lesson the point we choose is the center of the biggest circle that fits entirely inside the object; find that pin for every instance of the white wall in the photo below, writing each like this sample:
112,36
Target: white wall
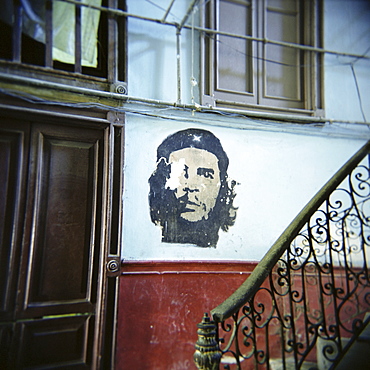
347,29
279,166
278,172
152,52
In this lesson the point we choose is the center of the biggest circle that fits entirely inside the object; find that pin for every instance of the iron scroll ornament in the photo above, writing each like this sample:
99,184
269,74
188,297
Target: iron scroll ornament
315,301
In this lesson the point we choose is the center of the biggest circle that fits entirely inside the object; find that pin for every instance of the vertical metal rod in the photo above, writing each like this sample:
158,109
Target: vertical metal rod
178,56
332,274
49,34
190,9
292,312
312,59
112,44
17,31
167,11
192,82
78,67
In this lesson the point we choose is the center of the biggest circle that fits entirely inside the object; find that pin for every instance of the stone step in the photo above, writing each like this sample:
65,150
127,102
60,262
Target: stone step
277,364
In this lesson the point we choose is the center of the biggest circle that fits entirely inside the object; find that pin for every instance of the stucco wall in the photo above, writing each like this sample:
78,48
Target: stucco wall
161,305
153,54
278,170
347,79
278,167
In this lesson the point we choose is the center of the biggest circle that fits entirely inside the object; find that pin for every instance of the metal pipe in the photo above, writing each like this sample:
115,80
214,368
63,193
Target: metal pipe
49,34
119,12
66,116
190,9
208,30
167,11
280,43
78,40
178,60
110,95
112,72
115,96
17,31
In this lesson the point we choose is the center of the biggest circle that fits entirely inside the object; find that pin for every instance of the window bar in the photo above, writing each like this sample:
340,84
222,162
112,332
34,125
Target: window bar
112,44
313,59
211,31
17,31
189,11
116,209
49,34
121,24
178,57
78,68
319,56
167,11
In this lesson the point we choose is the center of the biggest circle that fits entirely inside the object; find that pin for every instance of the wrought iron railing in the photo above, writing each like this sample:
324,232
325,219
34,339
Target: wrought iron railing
306,301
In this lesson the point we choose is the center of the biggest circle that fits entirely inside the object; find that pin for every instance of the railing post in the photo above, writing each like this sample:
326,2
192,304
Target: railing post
207,353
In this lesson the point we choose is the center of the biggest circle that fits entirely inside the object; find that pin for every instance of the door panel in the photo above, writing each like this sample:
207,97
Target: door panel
56,192
56,342
63,248
13,164
67,186
6,337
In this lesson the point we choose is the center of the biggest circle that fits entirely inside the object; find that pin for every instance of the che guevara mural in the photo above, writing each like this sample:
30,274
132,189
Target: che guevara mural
191,196
179,201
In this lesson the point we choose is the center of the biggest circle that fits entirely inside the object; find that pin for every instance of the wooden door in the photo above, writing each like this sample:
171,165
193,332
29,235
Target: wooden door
55,205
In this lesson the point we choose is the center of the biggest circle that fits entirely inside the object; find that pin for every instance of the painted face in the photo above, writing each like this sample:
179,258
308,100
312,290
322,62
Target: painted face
195,178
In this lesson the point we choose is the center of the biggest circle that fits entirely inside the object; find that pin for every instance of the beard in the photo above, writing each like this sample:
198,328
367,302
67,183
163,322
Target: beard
176,229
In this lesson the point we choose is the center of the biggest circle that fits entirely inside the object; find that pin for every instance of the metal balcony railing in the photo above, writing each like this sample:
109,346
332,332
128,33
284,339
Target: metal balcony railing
72,42
305,304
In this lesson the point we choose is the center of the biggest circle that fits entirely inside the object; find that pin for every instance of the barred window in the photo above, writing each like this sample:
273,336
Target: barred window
67,37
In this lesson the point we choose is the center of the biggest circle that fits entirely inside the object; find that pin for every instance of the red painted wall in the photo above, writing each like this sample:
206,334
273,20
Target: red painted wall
161,303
